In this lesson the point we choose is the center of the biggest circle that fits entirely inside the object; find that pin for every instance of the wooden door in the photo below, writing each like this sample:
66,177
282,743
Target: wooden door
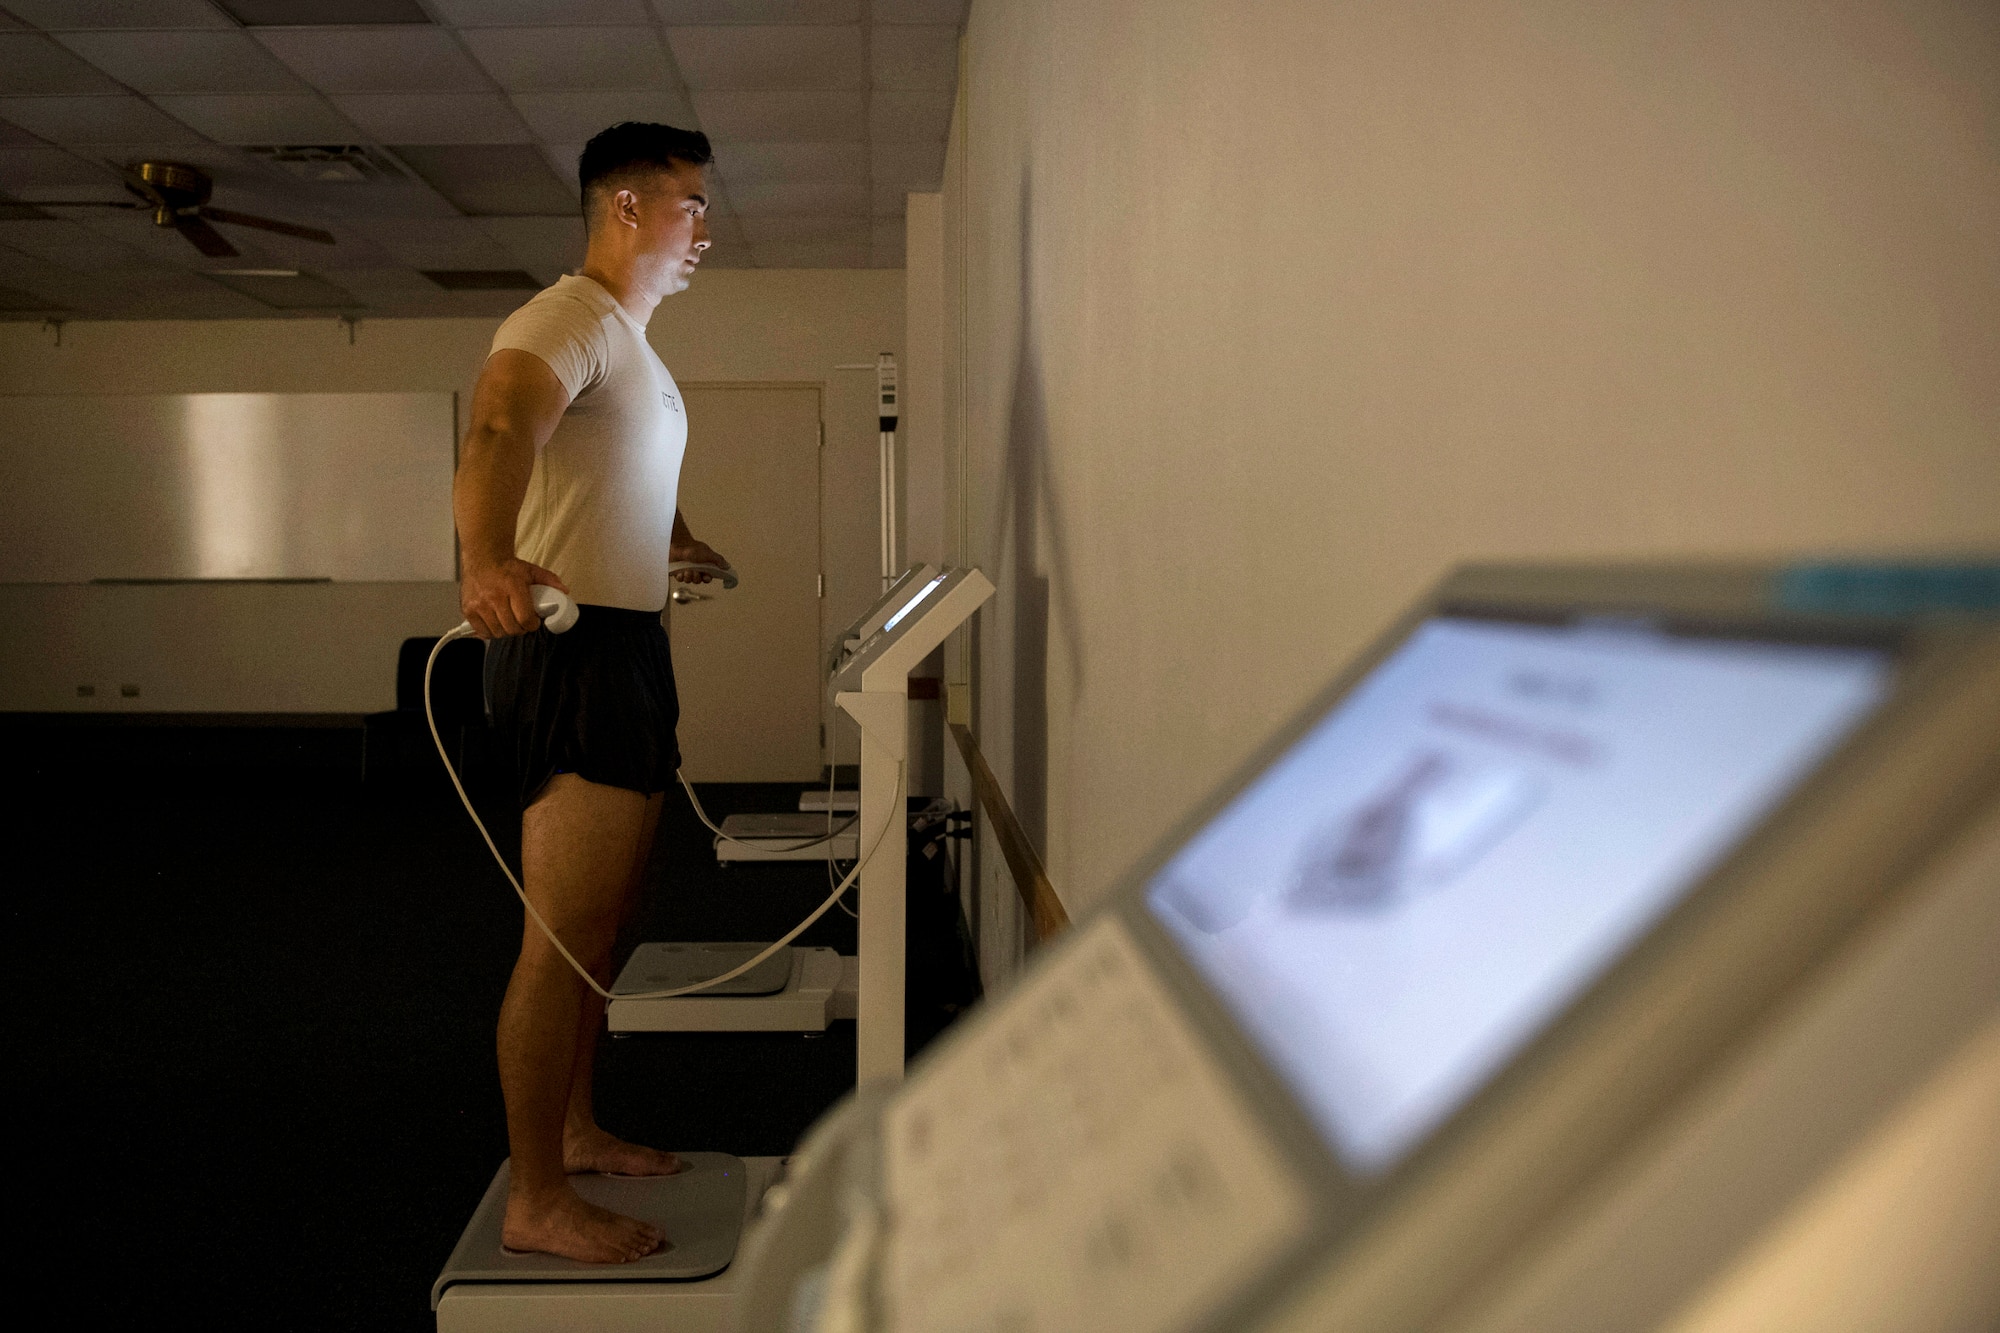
747,660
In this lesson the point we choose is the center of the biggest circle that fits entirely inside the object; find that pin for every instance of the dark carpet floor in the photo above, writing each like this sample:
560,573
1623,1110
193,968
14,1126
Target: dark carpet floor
252,1012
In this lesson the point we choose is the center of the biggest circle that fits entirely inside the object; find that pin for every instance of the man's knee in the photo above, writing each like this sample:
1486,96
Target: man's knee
589,939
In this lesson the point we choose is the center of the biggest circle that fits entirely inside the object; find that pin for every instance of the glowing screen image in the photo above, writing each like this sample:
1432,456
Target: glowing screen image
1448,858
913,603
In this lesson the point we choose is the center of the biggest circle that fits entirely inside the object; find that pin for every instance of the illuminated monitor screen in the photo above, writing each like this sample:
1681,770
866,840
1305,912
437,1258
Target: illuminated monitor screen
1449,857
913,603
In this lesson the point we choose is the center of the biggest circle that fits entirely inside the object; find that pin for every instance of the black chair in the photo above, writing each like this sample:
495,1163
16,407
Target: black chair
397,755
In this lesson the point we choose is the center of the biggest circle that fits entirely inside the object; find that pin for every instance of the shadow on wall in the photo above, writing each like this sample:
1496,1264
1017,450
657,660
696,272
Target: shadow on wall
1027,505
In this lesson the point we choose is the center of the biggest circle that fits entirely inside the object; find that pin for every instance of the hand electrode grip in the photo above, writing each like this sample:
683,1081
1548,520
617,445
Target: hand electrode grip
556,607
723,572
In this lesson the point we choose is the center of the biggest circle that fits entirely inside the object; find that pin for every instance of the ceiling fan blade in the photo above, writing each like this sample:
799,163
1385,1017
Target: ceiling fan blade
204,237
268,224
81,203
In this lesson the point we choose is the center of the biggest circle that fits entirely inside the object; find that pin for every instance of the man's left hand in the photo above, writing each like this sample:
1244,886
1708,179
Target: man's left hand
696,553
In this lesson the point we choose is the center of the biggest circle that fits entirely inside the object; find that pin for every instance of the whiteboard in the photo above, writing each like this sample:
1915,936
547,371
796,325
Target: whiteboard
115,487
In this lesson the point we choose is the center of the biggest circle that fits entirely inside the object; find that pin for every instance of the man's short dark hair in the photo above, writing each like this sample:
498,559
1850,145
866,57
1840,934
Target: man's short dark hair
636,145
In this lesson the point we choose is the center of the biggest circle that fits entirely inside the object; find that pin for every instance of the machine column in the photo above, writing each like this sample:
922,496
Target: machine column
885,721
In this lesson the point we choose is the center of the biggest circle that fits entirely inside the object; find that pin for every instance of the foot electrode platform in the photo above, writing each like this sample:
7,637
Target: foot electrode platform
688,1287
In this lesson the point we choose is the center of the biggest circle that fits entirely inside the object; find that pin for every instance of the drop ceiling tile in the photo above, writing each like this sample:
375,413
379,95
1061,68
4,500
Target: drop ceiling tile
795,56
912,166
887,244
294,13
771,114
790,162
888,198
356,250
725,232
69,246
758,11
436,118
184,62
385,287
376,60
914,57
189,296
531,13
50,173
535,60
435,242
21,270
257,248
300,291
157,245
562,159
465,305
763,230
765,195
539,243
61,14
83,121
811,254
730,257
33,285
911,113
566,118
33,64
400,197
950,12
717,190
493,180
226,166
18,306
262,118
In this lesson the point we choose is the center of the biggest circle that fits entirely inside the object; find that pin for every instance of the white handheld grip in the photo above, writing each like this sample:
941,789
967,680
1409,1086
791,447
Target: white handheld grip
723,572
556,607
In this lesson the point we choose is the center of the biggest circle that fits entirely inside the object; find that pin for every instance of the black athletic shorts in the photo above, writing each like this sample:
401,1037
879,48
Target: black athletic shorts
598,701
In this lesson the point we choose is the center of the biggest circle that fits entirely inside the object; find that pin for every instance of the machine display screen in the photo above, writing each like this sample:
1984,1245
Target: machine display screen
1439,866
913,603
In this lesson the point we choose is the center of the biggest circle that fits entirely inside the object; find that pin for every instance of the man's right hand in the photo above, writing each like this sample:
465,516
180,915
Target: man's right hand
495,597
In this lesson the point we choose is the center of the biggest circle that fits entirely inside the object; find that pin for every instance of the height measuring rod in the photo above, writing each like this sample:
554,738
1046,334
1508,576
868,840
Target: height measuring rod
884,367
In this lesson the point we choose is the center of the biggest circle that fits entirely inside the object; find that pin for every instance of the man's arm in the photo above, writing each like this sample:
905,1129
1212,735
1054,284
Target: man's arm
685,547
515,408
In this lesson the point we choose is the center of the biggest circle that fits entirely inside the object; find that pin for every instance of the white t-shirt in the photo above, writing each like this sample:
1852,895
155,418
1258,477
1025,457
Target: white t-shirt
600,506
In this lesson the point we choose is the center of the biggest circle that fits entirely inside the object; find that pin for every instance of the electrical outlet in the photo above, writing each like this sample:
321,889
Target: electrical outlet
86,691
129,691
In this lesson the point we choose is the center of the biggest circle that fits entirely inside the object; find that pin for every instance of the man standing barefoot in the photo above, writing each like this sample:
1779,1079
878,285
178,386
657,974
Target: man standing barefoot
569,476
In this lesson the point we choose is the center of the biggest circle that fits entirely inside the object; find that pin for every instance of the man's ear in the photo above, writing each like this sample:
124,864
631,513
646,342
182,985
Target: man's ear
625,208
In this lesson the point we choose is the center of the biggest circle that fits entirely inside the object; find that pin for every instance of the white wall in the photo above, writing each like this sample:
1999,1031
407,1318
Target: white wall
1274,310
307,650
922,382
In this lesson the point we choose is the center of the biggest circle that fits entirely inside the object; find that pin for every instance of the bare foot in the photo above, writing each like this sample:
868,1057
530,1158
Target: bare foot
593,1149
566,1225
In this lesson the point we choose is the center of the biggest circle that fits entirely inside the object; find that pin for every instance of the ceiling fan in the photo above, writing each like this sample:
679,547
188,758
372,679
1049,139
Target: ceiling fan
178,195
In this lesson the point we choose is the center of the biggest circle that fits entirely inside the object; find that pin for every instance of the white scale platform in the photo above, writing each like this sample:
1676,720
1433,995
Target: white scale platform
686,1288
798,990
788,836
